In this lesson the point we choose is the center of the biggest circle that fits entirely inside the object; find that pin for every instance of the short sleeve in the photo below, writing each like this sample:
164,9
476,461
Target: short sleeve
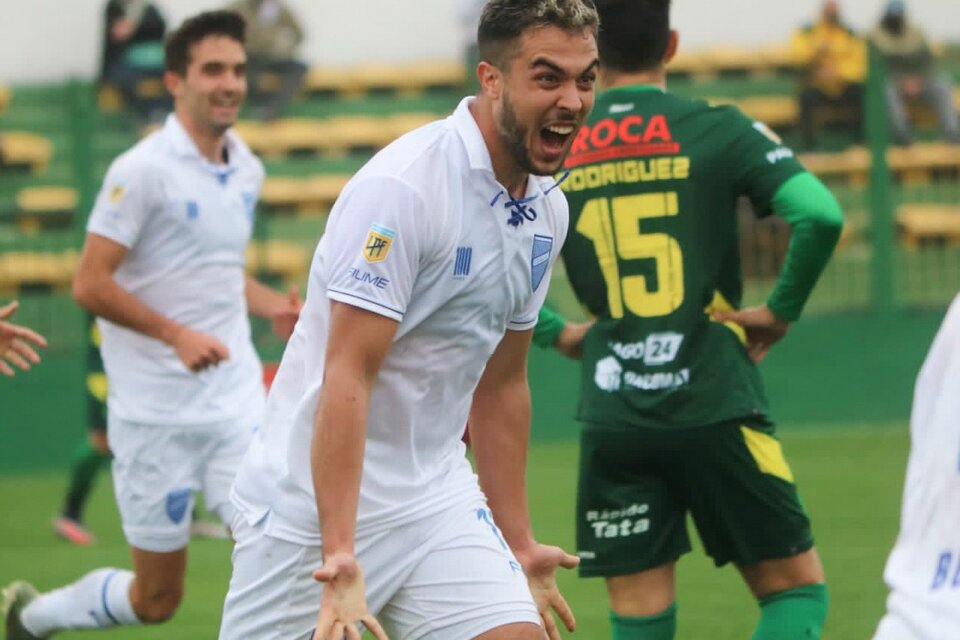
760,161
374,244
124,203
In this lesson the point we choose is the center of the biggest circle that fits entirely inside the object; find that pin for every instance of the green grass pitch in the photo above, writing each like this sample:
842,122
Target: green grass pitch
850,477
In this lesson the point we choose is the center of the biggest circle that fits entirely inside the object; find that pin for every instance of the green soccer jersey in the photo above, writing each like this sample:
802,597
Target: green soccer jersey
653,247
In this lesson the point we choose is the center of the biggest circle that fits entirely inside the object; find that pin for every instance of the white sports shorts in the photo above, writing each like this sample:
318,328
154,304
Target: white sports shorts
449,577
158,469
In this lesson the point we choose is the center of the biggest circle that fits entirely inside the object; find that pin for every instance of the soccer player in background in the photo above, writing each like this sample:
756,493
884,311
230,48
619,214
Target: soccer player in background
355,499
923,571
15,342
675,416
163,269
92,455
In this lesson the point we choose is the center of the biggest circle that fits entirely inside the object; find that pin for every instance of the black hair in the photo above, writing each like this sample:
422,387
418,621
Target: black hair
634,34
193,30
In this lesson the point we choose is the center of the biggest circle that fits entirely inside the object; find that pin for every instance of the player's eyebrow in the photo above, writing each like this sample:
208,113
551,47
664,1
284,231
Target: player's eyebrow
541,61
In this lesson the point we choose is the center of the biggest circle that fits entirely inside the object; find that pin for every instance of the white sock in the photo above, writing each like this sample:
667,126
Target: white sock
98,600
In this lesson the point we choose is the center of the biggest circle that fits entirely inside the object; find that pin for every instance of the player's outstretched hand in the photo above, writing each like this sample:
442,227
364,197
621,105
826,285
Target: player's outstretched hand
763,329
284,319
197,351
14,341
344,601
570,340
540,565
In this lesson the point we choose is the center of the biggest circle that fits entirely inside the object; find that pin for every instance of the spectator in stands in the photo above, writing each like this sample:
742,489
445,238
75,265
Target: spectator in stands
834,59
912,75
15,342
133,53
273,35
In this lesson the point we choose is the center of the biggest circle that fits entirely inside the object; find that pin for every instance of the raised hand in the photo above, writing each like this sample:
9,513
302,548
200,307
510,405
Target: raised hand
14,341
540,564
284,319
343,605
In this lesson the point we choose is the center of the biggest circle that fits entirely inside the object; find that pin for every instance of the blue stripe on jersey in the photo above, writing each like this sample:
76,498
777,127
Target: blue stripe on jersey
461,266
353,295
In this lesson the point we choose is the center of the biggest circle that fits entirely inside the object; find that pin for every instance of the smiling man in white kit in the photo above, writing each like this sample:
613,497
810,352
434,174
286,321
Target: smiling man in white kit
163,268
356,497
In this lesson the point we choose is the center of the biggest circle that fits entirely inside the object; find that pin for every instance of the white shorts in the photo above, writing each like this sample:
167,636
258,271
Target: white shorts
450,577
157,470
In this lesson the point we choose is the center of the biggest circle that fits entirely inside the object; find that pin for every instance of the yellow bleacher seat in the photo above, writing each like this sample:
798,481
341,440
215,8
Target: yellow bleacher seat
4,98
852,165
31,269
774,111
41,207
921,163
421,76
278,258
921,222
323,80
314,194
22,149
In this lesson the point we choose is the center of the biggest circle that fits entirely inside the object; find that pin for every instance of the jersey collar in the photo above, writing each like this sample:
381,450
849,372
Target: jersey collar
478,154
184,146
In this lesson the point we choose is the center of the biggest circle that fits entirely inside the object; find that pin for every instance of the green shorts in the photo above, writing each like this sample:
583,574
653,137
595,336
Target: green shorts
637,485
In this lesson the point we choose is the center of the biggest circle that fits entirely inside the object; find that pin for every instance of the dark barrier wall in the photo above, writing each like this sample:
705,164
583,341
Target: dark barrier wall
830,369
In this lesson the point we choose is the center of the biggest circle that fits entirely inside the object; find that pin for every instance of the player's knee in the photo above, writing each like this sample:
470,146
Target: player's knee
158,606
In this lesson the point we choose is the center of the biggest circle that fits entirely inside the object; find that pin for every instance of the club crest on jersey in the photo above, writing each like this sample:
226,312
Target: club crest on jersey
378,243
540,259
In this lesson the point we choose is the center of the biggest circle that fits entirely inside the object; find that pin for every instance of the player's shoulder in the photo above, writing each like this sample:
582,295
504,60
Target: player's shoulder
146,159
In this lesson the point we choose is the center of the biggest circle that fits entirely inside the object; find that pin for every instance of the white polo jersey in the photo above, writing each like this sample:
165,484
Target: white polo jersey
923,571
186,222
423,234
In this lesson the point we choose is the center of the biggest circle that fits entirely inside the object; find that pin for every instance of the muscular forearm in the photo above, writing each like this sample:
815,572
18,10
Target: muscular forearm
103,297
262,301
336,458
499,436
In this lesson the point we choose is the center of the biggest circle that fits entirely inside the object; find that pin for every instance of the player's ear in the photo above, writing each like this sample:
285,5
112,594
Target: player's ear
491,80
673,42
172,81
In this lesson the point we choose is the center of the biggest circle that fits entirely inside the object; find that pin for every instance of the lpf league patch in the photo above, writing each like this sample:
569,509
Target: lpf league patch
378,243
116,193
540,259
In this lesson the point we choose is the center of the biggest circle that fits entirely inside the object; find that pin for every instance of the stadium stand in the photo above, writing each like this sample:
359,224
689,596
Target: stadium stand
44,207
25,150
920,224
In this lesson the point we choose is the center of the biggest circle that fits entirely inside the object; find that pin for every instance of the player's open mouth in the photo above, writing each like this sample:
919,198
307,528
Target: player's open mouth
555,136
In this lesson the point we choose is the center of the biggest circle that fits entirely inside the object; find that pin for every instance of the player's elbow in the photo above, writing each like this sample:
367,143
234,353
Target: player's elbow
85,290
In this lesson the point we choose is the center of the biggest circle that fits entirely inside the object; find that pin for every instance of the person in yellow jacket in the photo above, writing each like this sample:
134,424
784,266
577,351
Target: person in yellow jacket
834,60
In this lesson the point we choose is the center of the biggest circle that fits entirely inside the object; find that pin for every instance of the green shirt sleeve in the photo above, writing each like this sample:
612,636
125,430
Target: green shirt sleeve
549,326
816,219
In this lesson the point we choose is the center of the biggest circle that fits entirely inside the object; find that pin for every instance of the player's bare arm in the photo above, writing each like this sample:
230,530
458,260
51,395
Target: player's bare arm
356,349
96,290
282,310
15,342
500,433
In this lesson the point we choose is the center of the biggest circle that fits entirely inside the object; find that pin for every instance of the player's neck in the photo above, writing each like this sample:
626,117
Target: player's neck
657,78
505,168
209,143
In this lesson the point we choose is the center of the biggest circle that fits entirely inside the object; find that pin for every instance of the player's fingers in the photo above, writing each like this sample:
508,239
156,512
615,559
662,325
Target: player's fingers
325,574
564,612
8,309
336,633
5,369
569,561
353,633
549,625
324,624
17,359
373,626
24,350
31,336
